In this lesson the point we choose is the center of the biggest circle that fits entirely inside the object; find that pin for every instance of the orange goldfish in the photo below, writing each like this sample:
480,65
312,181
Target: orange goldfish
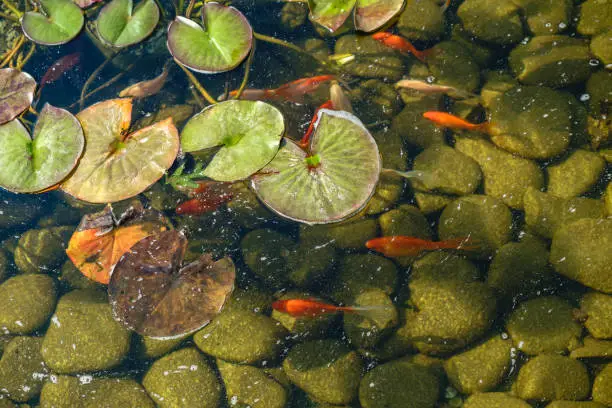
314,308
444,119
293,91
399,245
207,197
306,139
399,44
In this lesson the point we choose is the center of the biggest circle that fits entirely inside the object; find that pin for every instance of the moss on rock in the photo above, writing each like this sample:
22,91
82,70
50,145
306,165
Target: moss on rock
26,303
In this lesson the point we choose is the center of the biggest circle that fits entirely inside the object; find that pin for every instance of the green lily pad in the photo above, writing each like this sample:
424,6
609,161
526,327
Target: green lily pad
369,15
333,182
120,24
118,164
61,22
30,164
249,133
16,93
219,45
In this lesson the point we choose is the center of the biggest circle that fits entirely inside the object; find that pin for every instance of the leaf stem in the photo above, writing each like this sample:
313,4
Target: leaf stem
27,57
13,51
9,17
198,85
105,85
93,76
247,69
12,8
190,8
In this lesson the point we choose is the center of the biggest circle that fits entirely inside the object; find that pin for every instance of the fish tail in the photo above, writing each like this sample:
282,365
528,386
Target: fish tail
483,127
463,243
446,5
374,313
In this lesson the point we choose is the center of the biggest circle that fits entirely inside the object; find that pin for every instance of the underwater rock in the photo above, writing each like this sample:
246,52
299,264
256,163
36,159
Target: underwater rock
162,197
310,263
580,251
598,310
147,348
89,392
183,379
544,325
484,219
602,386
480,53
5,265
246,209
480,368
451,64
443,266
496,83
576,175
429,202
544,212
325,369
595,17
421,20
83,335
26,303
242,337
251,386
74,279
413,127
4,401
574,404
301,328
365,330
399,384
546,18
490,21
22,370
42,250
374,100
520,268
601,48
532,121
449,171
251,298
551,60
599,89
494,400
593,348
214,235
505,175
350,234
552,377
265,251
20,210
293,15
372,59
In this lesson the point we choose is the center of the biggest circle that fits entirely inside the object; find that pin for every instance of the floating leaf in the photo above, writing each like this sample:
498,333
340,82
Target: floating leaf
369,15
118,164
16,93
154,295
219,45
85,3
248,132
101,239
333,182
120,24
61,22
331,14
30,164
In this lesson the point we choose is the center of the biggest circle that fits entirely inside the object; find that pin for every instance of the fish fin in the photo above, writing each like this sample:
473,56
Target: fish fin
462,243
374,313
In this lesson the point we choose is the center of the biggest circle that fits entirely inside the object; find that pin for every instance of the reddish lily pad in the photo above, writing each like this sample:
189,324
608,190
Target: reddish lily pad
331,182
101,239
331,14
118,164
16,93
30,164
152,293
369,15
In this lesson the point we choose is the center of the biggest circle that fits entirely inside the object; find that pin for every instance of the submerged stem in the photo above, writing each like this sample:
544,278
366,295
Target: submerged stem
280,42
198,85
9,17
247,69
190,8
105,84
92,77
27,57
12,8
13,51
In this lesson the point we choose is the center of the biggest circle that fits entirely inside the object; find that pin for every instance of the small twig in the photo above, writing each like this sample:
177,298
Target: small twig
12,8
197,97
198,85
92,77
27,57
247,69
9,17
190,8
277,41
105,85
13,51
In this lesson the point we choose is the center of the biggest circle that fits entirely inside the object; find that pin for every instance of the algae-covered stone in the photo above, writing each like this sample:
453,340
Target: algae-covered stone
374,100
437,266
576,175
492,21
310,327
531,121
421,20
246,209
7,403
399,384
544,212
293,15
413,127
551,60
366,328
251,298
496,83
574,404
326,369
350,234
148,347
599,88
22,370
372,59
546,17
602,386
485,220
71,277
451,64
251,386
430,202
542,325
580,251
595,17
20,210
265,251
26,302
183,379
83,335
494,400
309,263
4,265
448,171
481,368
242,337
505,175
481,53
42,250
601,47
593,348
520,268
552,377
93,392
358,273
598,310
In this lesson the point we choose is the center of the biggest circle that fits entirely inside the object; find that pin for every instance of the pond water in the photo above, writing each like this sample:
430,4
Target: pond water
495,292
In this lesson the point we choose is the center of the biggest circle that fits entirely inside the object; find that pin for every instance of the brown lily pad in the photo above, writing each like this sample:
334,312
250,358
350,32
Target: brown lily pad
16,93
152,293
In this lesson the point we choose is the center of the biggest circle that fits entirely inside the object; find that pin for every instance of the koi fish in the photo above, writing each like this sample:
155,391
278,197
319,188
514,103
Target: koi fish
306,139
444,119
314,308
147,88
399,245
399,44
207,197
427,88
293,91
58,68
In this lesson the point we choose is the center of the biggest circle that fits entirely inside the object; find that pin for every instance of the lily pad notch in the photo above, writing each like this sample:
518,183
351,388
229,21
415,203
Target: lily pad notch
120,24
58,22
368,15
